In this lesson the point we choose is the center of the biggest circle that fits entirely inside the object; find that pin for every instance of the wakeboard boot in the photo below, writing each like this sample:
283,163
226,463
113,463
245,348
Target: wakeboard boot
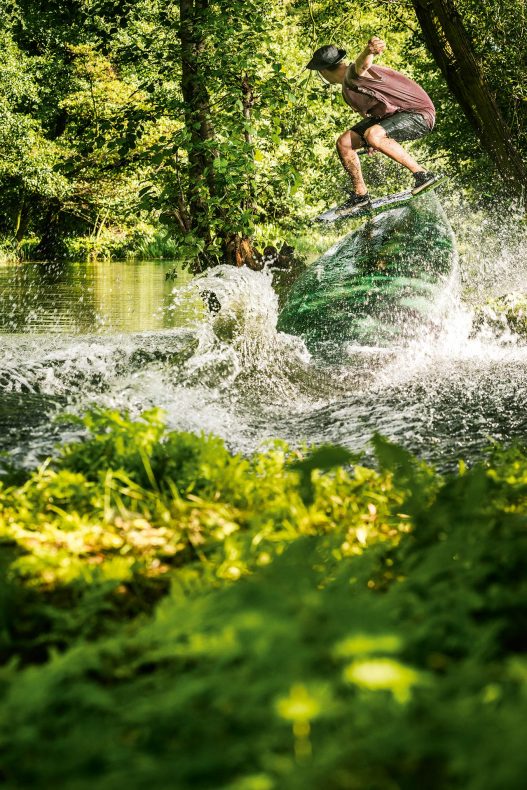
353,204
424,180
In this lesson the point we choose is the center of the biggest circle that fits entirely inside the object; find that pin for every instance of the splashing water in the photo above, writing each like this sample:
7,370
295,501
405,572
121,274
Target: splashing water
223,367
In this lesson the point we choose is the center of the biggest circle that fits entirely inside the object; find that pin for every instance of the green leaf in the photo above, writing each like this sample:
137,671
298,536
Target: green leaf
324,458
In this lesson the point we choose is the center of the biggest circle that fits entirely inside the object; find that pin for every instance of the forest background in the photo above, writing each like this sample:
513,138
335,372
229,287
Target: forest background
190,130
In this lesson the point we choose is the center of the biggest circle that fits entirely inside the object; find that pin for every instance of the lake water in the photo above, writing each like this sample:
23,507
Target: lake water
122,335
87,298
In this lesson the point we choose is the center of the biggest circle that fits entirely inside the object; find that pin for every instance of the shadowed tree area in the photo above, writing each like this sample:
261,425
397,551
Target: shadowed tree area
450,44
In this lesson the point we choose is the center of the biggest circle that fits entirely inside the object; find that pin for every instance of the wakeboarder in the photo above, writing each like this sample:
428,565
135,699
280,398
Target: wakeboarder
394,109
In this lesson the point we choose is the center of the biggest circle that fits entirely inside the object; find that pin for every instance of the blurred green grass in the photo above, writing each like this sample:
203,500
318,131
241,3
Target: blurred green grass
176,616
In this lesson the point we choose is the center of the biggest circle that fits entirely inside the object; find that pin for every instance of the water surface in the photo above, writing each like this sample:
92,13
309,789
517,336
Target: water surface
121,335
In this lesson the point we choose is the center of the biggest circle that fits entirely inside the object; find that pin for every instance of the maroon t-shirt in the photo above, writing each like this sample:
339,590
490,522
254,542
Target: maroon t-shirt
382,92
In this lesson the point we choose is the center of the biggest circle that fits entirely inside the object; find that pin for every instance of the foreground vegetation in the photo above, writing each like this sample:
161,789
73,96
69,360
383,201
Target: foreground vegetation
176,616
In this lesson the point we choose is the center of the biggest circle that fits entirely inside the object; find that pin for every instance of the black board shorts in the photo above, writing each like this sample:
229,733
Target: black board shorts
400,126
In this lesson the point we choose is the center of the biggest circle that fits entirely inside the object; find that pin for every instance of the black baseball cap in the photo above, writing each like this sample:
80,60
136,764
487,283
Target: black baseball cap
326,57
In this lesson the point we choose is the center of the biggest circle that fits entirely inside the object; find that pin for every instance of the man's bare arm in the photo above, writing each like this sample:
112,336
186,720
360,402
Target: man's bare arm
374,47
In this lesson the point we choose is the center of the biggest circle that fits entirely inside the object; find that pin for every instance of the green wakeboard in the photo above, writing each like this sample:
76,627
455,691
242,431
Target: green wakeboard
376,206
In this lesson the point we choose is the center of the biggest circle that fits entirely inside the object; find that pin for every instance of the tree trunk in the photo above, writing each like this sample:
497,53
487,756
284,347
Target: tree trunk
51,245
237,250
247,104
451,47
22,221
197,114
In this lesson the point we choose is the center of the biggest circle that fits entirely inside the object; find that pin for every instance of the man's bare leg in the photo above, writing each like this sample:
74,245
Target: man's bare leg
378,139
347,145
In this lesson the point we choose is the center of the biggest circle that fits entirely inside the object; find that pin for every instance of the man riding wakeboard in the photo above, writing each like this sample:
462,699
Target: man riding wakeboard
394,109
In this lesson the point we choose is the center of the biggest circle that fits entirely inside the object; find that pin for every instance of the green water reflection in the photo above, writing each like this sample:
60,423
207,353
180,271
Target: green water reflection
93,297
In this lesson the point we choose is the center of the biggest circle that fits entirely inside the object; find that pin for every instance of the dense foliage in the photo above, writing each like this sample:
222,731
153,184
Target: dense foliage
103,153
174,615
504,315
